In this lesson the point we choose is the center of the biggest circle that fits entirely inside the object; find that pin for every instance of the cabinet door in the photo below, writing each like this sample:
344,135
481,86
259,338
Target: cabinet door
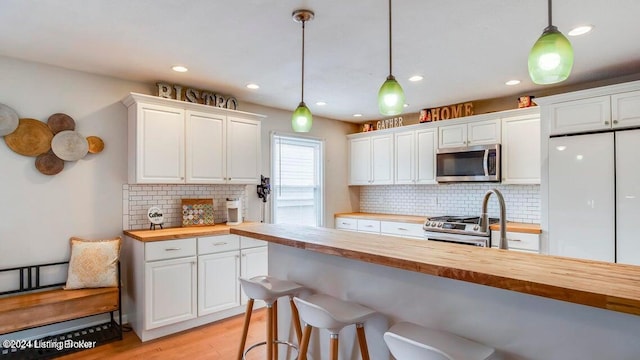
521,150
625,109
426,145
254,262
218,286
205,148
360,161
404,144
483,132
452,136
627,197
581,197
382,159
170,291
243,151
580,115
159,144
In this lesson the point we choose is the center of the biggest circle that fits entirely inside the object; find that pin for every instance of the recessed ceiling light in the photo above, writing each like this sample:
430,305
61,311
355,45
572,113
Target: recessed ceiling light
580,30
406,105
179,68
512,82
321,103
416,78
253,86
357,115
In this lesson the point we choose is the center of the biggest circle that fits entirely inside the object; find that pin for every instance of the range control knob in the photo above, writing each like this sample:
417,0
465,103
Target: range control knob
475,228
440,225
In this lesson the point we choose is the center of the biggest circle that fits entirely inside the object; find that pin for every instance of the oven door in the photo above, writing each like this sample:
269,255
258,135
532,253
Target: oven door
481,241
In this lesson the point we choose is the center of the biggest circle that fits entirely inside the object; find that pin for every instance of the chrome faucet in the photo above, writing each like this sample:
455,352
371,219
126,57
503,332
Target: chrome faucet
484,218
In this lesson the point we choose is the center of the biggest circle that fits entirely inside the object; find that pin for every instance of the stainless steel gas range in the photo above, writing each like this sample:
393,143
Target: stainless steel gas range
457,229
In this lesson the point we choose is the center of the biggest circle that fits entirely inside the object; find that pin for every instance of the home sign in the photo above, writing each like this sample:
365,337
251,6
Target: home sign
446,112
179,92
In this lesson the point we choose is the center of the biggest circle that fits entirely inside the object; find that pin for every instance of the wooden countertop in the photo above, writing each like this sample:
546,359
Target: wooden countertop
511,226
603,285
177,233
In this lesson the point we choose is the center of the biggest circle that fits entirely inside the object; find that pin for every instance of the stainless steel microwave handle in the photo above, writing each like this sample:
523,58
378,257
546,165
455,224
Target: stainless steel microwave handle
485,162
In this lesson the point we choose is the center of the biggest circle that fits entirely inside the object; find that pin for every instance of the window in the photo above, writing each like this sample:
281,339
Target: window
297,180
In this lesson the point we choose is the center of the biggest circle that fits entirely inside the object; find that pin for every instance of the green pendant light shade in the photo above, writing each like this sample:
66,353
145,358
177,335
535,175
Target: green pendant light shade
301,120
390,97
551,58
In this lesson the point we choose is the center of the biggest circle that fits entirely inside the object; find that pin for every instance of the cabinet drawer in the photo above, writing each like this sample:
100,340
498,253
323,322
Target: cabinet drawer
369,225
216,244
246,242
169,249
517,240
401,229
346,224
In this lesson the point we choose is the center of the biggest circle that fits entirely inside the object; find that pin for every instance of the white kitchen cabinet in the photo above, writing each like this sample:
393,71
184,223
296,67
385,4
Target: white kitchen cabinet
518,241
218,272
414,157
521,149
595,113
402,229
627,196
371,160
170,288
368,226
177,142
348,224
254,262
469,134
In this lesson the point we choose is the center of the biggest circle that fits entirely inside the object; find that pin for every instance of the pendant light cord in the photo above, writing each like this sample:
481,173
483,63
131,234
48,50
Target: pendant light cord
302,99
390,37
549,6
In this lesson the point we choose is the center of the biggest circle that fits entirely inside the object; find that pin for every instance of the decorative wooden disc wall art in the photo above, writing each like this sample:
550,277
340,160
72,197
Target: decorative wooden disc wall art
52,143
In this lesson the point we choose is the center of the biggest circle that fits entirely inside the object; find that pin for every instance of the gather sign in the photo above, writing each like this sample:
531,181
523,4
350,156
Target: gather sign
179,92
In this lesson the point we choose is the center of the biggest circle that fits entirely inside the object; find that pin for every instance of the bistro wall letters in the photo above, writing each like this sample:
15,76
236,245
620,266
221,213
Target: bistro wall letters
389,123
188,94
447,112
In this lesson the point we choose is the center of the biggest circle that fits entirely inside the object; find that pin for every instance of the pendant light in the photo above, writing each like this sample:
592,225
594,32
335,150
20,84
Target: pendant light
390,95
301,120
551,58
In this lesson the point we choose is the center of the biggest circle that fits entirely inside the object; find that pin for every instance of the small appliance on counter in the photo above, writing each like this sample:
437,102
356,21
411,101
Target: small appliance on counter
234,211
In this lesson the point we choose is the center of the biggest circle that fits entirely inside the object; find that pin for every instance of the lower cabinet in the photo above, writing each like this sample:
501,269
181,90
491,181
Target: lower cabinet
518,241
174,285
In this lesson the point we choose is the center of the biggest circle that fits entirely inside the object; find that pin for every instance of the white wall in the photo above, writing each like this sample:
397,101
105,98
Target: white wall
39,213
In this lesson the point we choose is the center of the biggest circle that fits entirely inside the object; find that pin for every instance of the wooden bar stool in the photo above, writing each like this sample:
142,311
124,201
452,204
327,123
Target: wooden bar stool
326,312
407,341
269,289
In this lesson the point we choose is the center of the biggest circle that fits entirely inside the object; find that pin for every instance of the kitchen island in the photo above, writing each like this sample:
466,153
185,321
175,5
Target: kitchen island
505,299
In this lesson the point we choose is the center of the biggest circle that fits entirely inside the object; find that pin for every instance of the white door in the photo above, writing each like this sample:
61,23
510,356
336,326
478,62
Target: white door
404,158
382,159
581,197
218,284
483,132
254,262
360,161
205,148
426,145
170,291
628,197
521,150
243,151
580,115
625,109
160,145
452,136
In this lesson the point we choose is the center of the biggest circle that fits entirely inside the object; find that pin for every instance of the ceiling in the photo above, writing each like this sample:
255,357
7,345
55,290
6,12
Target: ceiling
465,49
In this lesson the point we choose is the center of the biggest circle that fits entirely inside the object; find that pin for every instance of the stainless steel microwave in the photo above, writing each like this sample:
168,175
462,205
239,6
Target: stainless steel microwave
472,163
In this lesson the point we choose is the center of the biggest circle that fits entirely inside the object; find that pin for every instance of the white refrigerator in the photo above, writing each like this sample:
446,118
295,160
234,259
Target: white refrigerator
594,196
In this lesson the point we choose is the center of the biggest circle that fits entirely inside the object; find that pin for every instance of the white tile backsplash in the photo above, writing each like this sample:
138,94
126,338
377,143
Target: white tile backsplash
522,201
138,198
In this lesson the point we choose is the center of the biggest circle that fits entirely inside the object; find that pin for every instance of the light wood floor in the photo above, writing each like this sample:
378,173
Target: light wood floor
219,340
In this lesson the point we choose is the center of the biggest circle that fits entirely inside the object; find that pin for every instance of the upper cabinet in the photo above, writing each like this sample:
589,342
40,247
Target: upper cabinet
473,133
176,142
595,113
521,149
371,160
415,153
